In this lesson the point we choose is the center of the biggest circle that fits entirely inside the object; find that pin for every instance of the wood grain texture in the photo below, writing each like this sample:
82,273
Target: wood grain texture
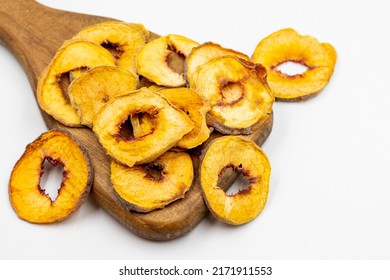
33,33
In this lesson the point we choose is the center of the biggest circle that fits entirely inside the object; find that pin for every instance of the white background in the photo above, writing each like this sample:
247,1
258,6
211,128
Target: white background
330,188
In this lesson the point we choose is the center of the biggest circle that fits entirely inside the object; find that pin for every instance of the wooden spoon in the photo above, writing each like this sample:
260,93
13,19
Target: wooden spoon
33,33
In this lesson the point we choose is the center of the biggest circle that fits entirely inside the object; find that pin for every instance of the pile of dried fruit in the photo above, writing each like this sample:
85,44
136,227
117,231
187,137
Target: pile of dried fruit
150,103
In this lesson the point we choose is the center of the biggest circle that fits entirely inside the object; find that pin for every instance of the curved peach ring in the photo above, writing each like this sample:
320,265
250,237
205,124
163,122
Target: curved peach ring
28,200
146,187
126,39
170,124
287,45
245,157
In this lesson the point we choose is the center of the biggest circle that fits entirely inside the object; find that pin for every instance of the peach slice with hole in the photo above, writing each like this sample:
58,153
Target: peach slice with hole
245,157
204,53
153,185
89,92
113,127
162,60
52,90
196,108
287,45
238,93
122,39
29,200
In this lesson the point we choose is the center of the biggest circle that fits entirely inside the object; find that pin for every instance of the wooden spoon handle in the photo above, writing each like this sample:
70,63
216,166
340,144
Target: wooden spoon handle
34,32
15,26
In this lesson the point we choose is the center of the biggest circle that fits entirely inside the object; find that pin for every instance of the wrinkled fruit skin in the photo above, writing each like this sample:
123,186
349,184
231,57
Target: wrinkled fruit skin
89,92
153,59
124,39
169,126
238,93
27,198
51,95
287,45
196,108
245,157
204,53
150,186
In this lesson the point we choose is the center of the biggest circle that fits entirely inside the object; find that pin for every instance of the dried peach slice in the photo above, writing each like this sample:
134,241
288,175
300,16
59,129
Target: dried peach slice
245,157
196,108
113,127
204,53
89,92
153,185
287,45
142,124
123,39
238,93
28,200
156,57
52,93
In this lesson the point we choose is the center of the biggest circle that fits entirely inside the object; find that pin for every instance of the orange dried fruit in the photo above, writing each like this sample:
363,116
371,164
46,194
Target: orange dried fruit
113,127
245,157
287,45
52,90
162,60
142,124
238,93
196,108
204,53
89,92
28,200
124,40
153,185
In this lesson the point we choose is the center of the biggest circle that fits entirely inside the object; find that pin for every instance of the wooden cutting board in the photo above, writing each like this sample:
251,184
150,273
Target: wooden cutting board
33,33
